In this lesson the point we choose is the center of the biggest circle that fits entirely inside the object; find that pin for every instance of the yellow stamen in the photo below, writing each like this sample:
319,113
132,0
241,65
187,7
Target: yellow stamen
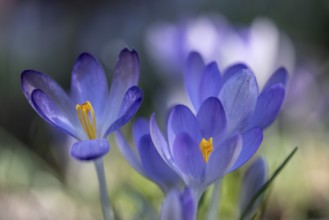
87,118
206,148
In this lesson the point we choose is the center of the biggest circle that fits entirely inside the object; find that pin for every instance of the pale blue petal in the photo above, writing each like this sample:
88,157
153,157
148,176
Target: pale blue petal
279,76
239,97
90,149
268,106
51,112
130,105
211,117
192,77
222,158
89,83
159,141
230,71
32,80
188,156
180,120
126,75
155,167
251,142
210,82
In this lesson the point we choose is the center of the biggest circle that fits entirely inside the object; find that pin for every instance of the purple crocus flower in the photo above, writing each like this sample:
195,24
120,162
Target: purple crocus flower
197,147
147,160
237,90
179,206
91,112
227,128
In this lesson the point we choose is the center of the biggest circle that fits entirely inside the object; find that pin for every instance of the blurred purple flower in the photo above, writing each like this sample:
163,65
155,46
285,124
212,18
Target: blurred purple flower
179,206
227,128
147,160
253,180
91,112
261,46
307,101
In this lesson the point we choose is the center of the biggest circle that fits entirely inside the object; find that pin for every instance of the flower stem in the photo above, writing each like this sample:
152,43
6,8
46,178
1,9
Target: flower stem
213,206
103,189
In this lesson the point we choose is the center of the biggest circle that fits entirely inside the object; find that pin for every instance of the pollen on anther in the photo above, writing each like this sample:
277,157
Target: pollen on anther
87,118
206,147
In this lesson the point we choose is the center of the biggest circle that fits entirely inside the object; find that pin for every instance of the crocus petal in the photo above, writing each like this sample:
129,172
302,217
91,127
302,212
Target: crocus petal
239,97
210,82
223,157
188,156
51,112
171,208
90,149
154,166
230,71
251,142
31,80
180,120
126,75
268,106
159,141
253,180
127,152
140,128
130,104
89,83
192,77
279,76
211,117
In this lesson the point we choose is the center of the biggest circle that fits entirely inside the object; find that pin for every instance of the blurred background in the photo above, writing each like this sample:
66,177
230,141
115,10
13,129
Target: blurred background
39,180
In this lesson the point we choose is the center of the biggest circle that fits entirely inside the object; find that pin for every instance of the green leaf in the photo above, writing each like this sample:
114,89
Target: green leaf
268,183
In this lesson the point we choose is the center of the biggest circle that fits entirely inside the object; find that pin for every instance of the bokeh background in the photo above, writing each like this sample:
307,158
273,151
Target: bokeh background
39,180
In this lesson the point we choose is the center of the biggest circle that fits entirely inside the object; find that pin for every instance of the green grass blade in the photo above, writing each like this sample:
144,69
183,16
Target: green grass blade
268,183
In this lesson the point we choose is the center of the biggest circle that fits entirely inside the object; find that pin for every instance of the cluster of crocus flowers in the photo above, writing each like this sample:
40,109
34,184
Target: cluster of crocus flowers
220,132
227,128
92,111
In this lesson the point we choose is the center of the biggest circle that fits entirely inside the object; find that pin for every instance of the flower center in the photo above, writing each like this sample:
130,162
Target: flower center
206,148
87,118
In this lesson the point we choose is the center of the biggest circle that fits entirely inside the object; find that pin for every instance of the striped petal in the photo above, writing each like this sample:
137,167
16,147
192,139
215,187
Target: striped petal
33,80
126,75
239,97
251,142
89,83
192,77
53,114
130,105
